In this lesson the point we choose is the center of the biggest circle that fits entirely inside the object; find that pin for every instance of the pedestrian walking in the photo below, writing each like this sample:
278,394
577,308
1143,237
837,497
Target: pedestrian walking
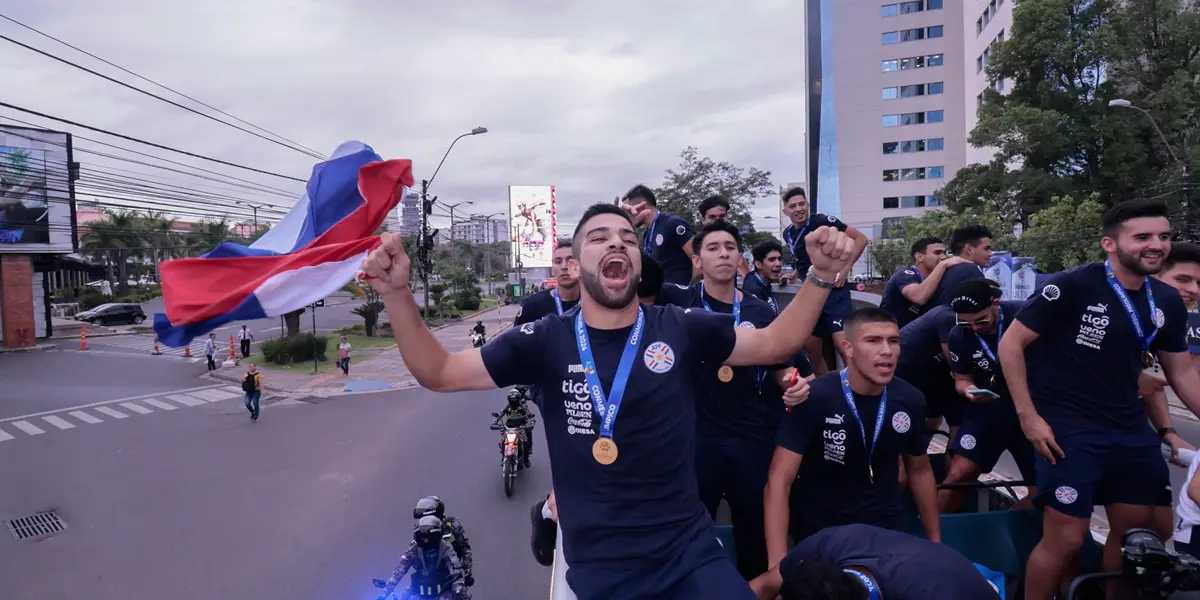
344,356
246,338
210,351
252,386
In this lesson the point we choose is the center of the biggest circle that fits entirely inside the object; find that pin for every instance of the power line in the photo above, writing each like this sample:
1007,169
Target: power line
151,144
293,145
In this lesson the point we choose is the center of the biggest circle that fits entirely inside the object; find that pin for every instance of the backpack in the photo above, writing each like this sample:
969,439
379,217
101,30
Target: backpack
248,382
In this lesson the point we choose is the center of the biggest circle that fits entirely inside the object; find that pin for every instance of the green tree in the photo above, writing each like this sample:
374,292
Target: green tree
117,240
697,177
886,256
1063,235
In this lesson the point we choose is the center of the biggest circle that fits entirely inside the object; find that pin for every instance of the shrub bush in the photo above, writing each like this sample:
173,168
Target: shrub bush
285,350
466,301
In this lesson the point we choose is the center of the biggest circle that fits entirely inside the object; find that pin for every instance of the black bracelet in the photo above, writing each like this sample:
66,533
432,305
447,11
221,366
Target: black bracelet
1165,431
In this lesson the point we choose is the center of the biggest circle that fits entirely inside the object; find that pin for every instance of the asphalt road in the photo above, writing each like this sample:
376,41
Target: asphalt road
311,502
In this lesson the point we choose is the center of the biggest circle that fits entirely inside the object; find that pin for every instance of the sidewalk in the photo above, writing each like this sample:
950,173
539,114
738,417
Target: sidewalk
382,371
1178,410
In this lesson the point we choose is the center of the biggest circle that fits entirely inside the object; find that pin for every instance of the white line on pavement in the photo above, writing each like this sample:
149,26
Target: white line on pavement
86,418
28,427
185,399
116,414
137,408
158,404
58,422
105,402
5,436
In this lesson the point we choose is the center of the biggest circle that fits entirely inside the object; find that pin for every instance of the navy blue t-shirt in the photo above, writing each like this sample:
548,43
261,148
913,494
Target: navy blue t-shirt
951,279
967,357
905,566
645,505
794,238
738,407
1193,336
539,305
894,301
1084,366
664,240
756,286
921,341
833,487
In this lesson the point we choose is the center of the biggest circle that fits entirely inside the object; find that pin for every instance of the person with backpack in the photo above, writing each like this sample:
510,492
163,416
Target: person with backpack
252,385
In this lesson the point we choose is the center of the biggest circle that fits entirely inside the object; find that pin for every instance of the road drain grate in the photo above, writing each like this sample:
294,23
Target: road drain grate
41,524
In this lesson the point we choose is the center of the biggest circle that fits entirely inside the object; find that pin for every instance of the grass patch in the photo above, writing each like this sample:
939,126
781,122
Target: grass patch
357,342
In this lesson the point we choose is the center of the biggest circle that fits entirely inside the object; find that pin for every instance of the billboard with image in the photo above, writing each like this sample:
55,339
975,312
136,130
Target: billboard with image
37,206
532,224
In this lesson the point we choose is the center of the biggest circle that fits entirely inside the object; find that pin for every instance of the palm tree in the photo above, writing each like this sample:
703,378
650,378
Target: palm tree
207,235
118,240
162,240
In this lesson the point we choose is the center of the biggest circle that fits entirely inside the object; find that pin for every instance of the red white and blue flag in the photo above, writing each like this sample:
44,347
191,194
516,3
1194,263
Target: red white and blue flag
314,251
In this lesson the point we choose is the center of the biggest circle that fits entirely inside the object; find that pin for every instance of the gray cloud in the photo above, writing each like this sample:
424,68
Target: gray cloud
591,97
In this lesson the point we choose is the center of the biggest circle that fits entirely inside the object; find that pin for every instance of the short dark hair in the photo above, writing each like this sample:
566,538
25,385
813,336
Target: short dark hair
652,277
924,243
641,191
1116,216
868,314
596,210
563,242
761,251
1182,252
712,202
968,234
820,580
714,227
792,193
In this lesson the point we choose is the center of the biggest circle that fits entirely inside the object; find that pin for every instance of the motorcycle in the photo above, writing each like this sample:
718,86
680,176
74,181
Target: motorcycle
477,340
442,592
511,450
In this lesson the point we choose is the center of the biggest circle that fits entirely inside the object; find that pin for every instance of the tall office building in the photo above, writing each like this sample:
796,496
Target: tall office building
481,230
985,22
410,214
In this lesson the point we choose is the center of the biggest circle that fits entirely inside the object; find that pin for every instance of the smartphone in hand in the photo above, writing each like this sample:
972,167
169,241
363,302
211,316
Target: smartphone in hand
976,392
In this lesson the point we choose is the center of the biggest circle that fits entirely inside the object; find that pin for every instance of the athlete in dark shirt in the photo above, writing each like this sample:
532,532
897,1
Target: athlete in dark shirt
624,475
924,363
862,562
768,264
974,243
713,209
908,293
557,300
666,237
838,306
846,444
1072,360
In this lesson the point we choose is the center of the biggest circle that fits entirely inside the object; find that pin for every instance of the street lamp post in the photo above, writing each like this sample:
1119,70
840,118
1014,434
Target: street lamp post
1189,212
426,208
487,256
452,207
777,220
253,207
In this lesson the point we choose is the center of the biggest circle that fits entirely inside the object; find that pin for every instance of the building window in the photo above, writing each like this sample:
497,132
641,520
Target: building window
891,37
912,7
933,4
935,172
979,64
891,120
979,101
909,201
912,35
936,116
890,10
936,87
891,174
914,118
932,200
891,65
912,91
933,60
912,201
979,26
891,202
934,32
891,147
935,144
999,85
912,62
891,93
1000,36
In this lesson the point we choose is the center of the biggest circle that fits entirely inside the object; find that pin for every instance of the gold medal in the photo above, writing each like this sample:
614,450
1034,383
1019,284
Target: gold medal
725,373
1147,359
604,451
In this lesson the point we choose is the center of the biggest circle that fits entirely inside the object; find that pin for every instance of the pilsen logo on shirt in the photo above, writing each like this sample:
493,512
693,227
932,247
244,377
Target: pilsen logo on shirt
577,403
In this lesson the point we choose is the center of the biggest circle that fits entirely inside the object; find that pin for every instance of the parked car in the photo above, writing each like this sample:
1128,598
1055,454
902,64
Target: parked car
113,313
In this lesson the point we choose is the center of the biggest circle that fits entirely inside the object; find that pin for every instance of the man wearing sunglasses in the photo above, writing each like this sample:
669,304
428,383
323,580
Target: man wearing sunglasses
990,424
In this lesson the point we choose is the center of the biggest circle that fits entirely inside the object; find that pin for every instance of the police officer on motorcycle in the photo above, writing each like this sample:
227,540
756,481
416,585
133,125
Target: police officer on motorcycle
436,570
456,534
517,411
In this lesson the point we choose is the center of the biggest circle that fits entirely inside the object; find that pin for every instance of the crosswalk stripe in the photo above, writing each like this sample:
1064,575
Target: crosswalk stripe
214,395
185,399
158,404
5,436
116,414
86,418
27,427
233,389
58,422
137,408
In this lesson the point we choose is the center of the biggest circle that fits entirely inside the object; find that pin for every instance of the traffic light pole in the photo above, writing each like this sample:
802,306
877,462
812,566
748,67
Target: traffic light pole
424,243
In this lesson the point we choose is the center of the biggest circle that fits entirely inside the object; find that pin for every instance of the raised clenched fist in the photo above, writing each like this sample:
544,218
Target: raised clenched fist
387,267
829,250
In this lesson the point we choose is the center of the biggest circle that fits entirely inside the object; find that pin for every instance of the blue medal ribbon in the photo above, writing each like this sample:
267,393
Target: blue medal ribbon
607,409
791,241
999,332
557,301
857,419
737,305
1144,338
920,279
872,589
648,241
771,292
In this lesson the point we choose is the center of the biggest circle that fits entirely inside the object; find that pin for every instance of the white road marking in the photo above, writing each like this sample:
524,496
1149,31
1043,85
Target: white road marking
185,399
27,427
116,414
137,408
86,418
58,422
215,395
104,403
5,436
158,404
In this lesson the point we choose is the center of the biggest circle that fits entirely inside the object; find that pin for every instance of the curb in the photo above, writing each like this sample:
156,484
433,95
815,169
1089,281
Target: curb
37,348
459,320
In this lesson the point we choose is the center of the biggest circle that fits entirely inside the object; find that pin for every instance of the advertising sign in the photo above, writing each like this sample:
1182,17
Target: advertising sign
37,207
532,222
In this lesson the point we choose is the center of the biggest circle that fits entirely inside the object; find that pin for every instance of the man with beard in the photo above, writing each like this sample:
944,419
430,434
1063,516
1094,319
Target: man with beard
990,425
554,301
796,207
847,442
973,243
1072,359
666,237
713,209
910,288
625,484
736,414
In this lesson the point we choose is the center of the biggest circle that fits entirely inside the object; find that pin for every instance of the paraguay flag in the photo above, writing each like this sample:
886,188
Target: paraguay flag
314,251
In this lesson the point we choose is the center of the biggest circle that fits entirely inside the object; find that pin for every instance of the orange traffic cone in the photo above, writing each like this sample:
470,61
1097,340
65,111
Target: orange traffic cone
232,356
156,351
83,338
187,351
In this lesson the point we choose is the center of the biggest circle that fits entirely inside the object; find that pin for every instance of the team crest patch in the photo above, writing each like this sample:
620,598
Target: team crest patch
1051,292
910,272
746,324
1066,494
953,357
967,442
831,218
679,230
659,357
658,239
901,422
1159,317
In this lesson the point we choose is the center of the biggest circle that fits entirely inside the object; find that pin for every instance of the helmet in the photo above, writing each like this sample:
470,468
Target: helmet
429,506
429,532
515,397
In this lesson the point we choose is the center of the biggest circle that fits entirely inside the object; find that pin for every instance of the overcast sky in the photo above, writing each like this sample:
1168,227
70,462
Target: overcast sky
591,98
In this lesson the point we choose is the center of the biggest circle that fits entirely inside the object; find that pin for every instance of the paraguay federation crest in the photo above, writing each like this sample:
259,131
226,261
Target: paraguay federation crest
659,357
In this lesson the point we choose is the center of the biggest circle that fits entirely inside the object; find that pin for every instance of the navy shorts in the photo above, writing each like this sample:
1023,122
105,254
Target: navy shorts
1101,468
935,382
702,572
988,430
833,315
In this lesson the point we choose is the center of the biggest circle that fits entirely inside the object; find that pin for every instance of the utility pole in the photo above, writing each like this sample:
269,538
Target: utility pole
426,243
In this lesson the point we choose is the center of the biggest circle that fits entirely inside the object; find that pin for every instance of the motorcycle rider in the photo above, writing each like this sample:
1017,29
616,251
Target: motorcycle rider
480,330
435,566
518,410
432,506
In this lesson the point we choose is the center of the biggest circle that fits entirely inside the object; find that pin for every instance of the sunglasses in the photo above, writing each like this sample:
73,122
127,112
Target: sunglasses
979,321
